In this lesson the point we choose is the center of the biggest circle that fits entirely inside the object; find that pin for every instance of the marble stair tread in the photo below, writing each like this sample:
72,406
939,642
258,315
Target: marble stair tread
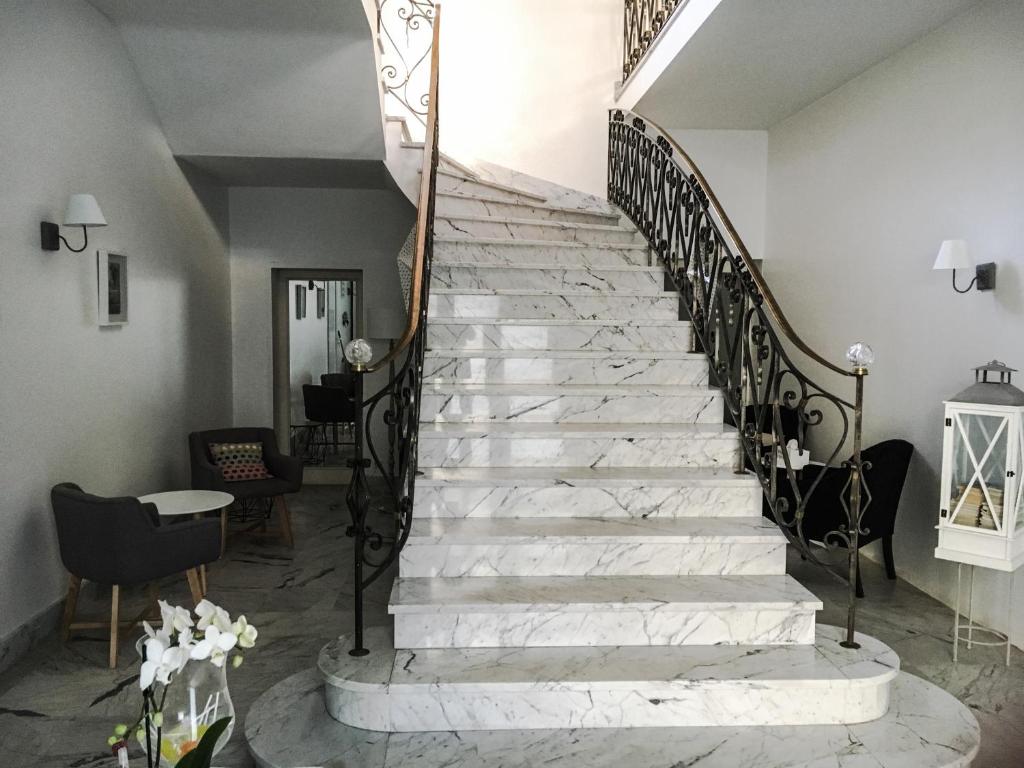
925,727
540,477
516,244
554,531
525,266
544,292
579,430
567,354
544,224
476,180
596,390
609,216
575,594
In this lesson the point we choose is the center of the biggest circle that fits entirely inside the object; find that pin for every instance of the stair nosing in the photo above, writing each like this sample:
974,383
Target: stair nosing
502,242
584,477
548,265
610,214
496,185
550,223
571,354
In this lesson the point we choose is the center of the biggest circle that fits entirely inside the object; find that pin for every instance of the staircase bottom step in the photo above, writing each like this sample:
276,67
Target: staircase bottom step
499,689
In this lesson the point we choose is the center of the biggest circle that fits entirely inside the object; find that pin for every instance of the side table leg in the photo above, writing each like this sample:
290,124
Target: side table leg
970,611
956,612
1009,620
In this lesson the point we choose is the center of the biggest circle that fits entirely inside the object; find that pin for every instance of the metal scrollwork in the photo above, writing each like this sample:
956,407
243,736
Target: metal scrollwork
644,21
749,344
404,29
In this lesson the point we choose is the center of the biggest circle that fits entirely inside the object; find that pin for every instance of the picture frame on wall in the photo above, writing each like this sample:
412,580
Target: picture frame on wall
321,303
112,285
300,302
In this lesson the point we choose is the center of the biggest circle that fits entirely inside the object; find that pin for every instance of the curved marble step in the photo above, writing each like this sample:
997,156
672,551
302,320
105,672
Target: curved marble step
545,335
605,546
455,204
451,180
584,491
577,445
546,276
531,612
487,227
549,305
506,252
567,403
568,366
925,727
474,689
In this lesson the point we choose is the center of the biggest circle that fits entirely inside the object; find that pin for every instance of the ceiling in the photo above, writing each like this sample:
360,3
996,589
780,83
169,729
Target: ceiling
262,78
754,63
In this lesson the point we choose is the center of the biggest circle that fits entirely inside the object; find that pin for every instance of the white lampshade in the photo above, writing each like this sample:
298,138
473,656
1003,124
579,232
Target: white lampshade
83,211
953,254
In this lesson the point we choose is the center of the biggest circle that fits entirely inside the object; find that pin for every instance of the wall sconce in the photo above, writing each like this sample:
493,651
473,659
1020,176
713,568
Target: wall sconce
953,254
82,211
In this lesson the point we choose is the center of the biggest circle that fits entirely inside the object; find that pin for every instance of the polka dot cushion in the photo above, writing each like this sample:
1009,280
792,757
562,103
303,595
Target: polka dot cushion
240,461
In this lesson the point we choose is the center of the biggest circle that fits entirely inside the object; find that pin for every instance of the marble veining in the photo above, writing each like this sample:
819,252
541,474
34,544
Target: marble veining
454,204
606,336
547,305
534,229
453,181
450,250
548,276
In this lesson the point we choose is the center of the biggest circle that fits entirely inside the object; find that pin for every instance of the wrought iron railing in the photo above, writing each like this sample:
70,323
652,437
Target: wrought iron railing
750,345
405,34
643,23
379,537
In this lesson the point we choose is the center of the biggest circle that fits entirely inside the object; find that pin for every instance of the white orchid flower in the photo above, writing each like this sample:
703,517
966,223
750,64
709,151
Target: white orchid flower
212,615
157,634
150,667
214,646
175,617
245,631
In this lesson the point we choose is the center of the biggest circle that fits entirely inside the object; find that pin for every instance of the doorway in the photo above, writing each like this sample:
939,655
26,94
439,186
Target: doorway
316,312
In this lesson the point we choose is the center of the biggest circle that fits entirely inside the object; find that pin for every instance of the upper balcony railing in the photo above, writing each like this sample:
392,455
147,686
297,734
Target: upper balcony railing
405,34
644,21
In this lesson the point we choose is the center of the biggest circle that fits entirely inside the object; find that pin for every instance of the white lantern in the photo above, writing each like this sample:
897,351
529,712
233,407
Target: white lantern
981,515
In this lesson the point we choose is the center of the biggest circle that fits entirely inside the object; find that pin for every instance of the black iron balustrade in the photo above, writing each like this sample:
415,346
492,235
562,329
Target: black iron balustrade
644,21
750,345
380,523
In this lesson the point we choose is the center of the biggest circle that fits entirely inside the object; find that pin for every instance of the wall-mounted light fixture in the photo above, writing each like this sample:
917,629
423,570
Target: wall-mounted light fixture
82,211
954,255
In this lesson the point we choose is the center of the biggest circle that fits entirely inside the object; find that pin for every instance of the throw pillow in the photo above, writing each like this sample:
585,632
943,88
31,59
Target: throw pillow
240,461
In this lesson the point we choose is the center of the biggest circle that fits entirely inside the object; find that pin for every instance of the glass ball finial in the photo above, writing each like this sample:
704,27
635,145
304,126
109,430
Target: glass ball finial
860,356
358,352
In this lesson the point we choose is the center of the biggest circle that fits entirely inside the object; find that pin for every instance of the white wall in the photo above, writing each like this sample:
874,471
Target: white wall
528,85
735,163
300,229
863,186
108,408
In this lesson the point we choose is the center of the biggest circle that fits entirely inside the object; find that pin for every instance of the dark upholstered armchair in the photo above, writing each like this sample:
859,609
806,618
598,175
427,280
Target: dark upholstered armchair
120,542
286,470
889,462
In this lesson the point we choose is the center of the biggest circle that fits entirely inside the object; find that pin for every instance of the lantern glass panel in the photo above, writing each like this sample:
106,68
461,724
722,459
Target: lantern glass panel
1020,482
980,448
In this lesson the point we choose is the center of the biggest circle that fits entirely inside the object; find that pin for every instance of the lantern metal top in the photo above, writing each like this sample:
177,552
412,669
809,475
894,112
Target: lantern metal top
1000,392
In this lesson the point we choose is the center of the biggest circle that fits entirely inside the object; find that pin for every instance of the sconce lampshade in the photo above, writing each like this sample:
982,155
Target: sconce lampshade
953,254
83,211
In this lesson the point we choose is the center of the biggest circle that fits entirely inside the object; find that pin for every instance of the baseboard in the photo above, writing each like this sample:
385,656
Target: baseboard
16,644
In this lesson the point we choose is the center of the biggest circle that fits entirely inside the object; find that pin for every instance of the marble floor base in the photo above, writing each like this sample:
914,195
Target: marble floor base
57,704
925,728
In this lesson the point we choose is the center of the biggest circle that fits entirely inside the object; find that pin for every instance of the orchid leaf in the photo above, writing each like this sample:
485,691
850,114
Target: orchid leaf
202,755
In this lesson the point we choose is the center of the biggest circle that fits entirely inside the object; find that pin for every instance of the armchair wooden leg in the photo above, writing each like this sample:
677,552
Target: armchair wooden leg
195,585
115,607
70,604
286,522
890,566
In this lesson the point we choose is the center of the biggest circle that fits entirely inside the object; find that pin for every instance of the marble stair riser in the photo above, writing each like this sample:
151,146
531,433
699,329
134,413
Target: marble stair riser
620,557
451,182
568,336
546,277
653,502
570,255
476,708
455,205
734,625
554,306
525,229
604,451
685,408
621,368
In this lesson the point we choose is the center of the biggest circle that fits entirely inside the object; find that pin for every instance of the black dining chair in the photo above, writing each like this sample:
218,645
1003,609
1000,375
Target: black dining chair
119,542
328,407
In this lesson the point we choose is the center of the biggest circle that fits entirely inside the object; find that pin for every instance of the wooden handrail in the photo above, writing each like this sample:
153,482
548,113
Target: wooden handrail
423,222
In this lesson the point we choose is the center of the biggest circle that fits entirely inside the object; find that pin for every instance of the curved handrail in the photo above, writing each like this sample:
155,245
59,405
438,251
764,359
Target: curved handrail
771,305
423,209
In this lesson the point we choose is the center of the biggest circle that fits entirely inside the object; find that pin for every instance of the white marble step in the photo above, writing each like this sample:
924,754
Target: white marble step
606,546
577,445
530,334
546,276
653,492
471,689
531,612
925,727
566,305
564,403
505,252
452,181
488,227
454,204
566,366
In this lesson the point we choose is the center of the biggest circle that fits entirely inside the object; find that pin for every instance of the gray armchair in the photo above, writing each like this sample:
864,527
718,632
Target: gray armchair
286,471
120,542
